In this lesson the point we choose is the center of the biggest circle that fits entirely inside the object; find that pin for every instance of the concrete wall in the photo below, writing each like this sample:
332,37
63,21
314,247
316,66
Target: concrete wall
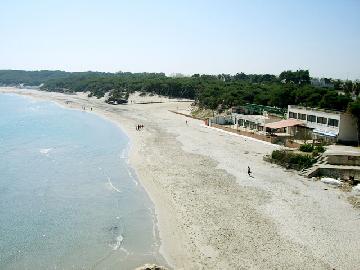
338,173
343,160
348,128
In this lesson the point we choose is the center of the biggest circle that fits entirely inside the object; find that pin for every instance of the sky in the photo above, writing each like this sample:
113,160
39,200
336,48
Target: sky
187,36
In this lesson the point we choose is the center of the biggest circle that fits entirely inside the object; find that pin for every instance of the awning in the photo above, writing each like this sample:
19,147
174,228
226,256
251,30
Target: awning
284,124
325,133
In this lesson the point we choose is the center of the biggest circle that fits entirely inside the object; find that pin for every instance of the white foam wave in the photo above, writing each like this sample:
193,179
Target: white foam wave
112,186
118,243
123,153
45,151
125,251
132,177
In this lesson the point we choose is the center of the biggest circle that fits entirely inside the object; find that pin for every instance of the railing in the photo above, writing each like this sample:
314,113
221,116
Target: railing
313,109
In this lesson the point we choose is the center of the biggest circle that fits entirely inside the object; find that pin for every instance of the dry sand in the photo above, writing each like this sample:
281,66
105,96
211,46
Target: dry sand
211,214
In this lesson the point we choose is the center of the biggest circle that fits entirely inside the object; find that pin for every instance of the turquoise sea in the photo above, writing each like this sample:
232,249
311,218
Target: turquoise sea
68,197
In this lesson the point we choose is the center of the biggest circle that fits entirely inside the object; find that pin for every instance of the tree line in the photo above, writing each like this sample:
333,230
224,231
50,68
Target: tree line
208,91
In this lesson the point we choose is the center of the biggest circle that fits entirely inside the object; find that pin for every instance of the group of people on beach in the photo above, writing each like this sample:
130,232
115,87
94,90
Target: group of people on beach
139,127
84,108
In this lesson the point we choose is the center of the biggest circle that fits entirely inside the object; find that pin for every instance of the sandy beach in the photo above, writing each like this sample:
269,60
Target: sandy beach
210,213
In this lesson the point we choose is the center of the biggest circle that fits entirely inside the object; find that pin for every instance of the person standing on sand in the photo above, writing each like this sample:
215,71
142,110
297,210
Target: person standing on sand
249,171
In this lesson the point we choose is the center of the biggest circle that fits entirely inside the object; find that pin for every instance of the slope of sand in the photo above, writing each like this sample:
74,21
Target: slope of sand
211,214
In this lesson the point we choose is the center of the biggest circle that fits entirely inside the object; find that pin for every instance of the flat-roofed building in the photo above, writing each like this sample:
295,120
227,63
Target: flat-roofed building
340,125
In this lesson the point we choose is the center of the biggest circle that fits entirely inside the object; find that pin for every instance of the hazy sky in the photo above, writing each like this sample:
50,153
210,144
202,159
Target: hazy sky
184,36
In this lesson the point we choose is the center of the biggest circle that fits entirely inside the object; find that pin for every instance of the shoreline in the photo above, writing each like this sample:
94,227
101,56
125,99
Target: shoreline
210,214
130,153
141,201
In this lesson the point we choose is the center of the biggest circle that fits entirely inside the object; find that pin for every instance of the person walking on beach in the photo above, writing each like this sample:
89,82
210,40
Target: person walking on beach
249,171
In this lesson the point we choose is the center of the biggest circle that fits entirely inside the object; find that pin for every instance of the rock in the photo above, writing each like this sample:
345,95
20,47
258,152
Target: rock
356,188
151,267
331,181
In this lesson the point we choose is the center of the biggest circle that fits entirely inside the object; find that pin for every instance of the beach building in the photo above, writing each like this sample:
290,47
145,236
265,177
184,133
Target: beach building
221,120
340,126
253,122
269,128
338,161
248,122
322,82
256,109
287,127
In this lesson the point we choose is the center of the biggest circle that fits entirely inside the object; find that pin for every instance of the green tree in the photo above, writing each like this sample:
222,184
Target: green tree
354,109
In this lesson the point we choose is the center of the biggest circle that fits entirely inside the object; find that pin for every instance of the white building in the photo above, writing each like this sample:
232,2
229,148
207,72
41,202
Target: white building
323,82
341,125
222,120
253,122
247,121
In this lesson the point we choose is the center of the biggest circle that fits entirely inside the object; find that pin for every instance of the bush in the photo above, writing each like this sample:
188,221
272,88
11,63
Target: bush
320,149
292,160
278,155
300,161
306,148
315,153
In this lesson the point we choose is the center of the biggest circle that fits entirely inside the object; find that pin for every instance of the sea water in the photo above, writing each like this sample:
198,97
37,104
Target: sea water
68,198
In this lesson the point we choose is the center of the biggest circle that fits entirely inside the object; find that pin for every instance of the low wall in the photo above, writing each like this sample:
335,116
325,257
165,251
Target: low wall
271,139
245,133
187,115
343,160
338,173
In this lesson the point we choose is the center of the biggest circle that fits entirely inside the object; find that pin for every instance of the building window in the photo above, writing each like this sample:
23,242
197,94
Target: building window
302,116
311,118
322,120
333,122
292,115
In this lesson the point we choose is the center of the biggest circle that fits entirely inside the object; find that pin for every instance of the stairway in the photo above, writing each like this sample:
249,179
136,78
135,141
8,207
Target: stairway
312,171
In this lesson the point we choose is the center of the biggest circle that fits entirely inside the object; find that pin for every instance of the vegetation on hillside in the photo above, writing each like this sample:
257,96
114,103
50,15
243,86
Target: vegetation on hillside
292,160
208,91
314,150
